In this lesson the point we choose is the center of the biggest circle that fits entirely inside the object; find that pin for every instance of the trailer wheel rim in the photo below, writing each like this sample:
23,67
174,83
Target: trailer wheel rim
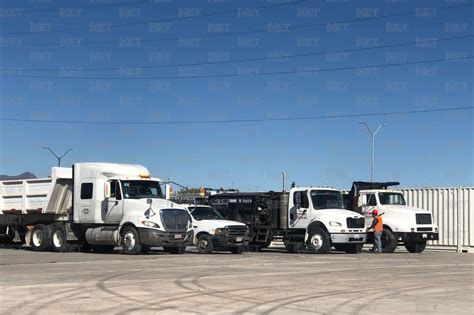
129,240
37,238
316,241
58,239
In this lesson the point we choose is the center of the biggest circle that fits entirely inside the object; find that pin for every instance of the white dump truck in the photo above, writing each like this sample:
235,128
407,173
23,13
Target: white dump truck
305,217
213,232
403,225
96,206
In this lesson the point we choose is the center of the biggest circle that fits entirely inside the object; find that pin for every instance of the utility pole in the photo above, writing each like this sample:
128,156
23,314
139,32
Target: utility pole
373,134
57,156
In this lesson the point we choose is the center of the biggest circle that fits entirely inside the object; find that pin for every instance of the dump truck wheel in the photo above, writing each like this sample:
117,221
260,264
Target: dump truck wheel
389,241
40,238
353,248
59,239
415,247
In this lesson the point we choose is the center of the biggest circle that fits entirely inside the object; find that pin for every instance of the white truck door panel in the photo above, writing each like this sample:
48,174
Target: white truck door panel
113,206
368,207
299,215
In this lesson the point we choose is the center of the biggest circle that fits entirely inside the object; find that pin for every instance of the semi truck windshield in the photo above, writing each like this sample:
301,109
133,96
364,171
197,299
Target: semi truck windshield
392,199
324,199
136,189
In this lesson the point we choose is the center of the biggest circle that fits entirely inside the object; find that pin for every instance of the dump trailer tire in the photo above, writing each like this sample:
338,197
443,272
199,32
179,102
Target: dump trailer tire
319,241
40,238
389,241
131,241
236,250
175,250
415,247
204,244
59,242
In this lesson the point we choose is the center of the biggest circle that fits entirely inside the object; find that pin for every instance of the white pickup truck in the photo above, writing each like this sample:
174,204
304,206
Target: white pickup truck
403,225
213,232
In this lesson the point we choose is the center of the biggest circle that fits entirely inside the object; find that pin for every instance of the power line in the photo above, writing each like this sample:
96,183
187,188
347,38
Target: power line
87,7
155,21
250,59
223,121
313,71
289,28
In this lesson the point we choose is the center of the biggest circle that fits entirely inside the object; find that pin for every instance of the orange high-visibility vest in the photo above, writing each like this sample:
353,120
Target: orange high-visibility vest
379,226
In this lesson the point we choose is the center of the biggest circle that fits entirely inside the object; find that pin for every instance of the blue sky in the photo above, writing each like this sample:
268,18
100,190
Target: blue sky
419,150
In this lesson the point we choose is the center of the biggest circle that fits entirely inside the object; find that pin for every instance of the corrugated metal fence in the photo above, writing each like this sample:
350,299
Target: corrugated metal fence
453,211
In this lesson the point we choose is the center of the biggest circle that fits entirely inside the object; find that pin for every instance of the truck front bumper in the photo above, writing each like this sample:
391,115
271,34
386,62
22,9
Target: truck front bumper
417,237
351,238
229,241
152,237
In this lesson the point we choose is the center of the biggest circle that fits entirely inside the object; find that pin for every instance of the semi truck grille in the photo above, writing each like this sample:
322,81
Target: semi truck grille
422,218
175,219
236,230
355,223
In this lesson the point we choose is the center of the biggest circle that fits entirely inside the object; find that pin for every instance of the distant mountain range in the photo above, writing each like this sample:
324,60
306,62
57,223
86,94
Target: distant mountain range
25,175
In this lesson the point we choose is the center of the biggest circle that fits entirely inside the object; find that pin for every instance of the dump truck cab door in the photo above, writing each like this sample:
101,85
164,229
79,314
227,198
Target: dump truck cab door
299,209
368,204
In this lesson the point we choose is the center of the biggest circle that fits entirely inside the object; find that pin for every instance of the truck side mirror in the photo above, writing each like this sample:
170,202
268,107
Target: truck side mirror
168,192
107,190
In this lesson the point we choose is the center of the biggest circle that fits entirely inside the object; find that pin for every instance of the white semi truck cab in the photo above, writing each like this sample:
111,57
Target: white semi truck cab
304,217
404,225
98,206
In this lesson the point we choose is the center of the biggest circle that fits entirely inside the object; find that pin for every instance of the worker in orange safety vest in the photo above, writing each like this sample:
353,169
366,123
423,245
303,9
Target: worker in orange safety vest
377,226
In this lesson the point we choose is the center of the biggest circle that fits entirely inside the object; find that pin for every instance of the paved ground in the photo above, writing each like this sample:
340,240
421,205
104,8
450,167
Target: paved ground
267,282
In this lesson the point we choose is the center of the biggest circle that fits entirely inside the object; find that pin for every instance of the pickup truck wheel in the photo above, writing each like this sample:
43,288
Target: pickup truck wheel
59,239
40,238
389,241
415,247
131,241
175,250
236,250
204,244
319,241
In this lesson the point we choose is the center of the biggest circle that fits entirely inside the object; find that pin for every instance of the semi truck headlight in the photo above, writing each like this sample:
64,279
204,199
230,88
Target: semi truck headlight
334,223
150,224
219,232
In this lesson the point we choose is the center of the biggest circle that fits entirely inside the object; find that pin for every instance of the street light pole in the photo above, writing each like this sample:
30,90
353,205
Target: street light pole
373,134
56,156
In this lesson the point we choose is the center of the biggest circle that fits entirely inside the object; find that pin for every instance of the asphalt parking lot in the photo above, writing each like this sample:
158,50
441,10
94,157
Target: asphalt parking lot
268,282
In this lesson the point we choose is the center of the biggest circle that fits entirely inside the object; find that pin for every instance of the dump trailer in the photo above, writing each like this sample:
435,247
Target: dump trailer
93,206
403,225
305,217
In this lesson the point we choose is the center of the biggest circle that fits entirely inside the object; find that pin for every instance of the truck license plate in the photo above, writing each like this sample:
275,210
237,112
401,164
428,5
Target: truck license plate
425,235
177,236
238,239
